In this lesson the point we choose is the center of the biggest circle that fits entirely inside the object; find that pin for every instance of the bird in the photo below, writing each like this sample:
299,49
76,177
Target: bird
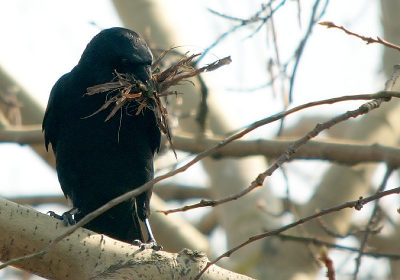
98,160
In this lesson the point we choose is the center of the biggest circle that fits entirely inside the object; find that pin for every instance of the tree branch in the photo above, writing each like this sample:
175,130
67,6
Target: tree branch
363,109
369,40
356,204
315,241
337,151
88,255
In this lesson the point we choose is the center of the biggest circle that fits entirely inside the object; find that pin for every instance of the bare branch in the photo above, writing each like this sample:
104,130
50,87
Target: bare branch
333,150
313,19
338,151
356,204
371,222
369,40
26,134
363,109
315,241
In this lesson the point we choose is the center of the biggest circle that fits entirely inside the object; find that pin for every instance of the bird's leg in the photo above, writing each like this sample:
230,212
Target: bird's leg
66,217
151,242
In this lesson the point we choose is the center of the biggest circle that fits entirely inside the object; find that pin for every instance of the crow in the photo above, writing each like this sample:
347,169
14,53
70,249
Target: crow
98,160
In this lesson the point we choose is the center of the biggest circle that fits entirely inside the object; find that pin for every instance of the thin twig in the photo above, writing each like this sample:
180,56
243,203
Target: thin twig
363,109
313,20
318,242
298,54
369,40
242,22
371,222
356,204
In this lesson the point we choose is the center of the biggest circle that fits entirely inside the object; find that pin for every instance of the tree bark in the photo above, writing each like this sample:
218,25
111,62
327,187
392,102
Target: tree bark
88,255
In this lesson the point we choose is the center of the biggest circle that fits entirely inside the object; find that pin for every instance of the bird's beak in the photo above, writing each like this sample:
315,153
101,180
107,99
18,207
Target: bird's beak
144,77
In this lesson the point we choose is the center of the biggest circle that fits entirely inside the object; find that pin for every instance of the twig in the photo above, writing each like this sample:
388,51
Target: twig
313,19
368,228
369,40
393,77
363,109
330,232
277,61
319,242
356,204
298,54
388,86
242,23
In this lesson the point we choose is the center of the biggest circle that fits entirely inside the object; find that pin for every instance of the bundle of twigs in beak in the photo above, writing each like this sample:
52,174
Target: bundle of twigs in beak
127,89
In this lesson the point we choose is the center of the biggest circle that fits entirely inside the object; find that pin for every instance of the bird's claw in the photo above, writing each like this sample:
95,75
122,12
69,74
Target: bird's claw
66,217
151,244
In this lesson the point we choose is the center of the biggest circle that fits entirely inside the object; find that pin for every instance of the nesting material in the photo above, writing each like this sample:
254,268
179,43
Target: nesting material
125,88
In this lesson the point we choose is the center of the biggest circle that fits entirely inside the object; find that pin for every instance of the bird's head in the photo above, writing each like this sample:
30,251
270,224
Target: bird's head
121,50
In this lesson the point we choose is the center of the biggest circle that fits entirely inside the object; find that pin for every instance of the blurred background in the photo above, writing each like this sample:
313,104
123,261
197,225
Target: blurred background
281,59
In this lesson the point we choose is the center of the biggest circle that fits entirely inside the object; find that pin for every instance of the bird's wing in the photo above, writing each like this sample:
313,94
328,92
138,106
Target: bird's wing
50,121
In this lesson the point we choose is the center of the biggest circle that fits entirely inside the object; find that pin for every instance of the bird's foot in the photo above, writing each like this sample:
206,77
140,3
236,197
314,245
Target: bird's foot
151,244
67,217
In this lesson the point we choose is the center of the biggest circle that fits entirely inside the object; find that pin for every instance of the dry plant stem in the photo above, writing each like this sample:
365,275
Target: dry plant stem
363,109
369,40
356,204
368,228
318,242
126,88
382,94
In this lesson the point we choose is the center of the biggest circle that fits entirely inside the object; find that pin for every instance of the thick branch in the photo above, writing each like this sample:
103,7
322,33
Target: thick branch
338,151
27,134
88,255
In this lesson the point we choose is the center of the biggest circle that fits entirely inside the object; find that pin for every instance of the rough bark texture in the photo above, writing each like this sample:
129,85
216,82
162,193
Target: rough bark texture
88,255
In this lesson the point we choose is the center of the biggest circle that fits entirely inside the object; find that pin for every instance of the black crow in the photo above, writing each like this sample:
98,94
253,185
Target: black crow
98,160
